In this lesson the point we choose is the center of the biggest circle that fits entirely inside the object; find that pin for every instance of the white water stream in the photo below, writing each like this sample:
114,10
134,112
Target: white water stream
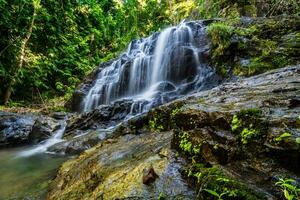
44,145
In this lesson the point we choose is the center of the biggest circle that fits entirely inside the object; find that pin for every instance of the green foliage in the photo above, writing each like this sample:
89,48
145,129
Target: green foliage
155,126
287,7
248,124
289,188
49,46
186,145
69,38
265,44
250,8
212,183
249,133
173,115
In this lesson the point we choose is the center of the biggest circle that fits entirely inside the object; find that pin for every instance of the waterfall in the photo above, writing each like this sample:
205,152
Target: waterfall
154,70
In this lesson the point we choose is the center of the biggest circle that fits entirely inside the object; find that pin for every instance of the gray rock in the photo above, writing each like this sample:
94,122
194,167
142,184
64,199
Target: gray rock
15,128
80,143
42,129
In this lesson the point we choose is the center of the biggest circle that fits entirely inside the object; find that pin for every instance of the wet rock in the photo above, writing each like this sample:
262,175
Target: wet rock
59,115
81,91
295,102
207,121
201,127
42,129
15,129
81,142
149,176
166,86
102,117
113,170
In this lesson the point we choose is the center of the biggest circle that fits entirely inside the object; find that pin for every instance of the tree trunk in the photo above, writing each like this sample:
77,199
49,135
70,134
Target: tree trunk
7,94
20,61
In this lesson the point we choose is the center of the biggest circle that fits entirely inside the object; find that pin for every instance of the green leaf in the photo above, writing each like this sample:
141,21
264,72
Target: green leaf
212,192
298,140
287,195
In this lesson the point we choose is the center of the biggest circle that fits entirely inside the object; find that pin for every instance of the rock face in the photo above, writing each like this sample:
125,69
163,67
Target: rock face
88,129
102,117
241,126
248,129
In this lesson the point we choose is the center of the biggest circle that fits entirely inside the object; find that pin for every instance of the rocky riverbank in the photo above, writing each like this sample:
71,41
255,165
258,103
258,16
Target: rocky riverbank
245,132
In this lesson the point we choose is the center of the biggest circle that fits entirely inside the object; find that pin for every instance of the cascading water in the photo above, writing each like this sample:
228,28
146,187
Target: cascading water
44,145
154,70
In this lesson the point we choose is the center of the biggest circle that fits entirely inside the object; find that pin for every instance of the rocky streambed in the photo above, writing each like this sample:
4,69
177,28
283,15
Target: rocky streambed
241,136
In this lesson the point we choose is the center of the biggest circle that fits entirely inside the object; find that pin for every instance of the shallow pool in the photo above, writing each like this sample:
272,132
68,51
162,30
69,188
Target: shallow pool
26,177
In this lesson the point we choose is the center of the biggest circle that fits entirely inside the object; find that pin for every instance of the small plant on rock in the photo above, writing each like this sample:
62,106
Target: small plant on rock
289,188
282,137
212,183
155,126
248,124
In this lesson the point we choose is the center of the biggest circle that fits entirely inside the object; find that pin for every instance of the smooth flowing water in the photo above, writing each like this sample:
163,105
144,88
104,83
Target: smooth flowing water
44,145
26,177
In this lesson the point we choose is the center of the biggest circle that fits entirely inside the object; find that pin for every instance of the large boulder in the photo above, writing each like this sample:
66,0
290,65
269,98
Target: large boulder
80,143
102,117
15,129
20,129
250,128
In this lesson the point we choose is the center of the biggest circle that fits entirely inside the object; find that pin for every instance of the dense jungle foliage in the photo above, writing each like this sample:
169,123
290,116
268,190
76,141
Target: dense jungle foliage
48,46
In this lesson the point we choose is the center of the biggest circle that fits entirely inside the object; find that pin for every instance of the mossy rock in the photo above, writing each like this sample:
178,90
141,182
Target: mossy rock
266,43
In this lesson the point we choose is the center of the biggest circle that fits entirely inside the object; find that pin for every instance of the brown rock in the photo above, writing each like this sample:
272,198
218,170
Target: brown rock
149,176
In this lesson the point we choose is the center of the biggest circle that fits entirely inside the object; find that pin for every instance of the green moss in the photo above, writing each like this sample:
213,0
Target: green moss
250,10
201,101
220,34
249,125
161,196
